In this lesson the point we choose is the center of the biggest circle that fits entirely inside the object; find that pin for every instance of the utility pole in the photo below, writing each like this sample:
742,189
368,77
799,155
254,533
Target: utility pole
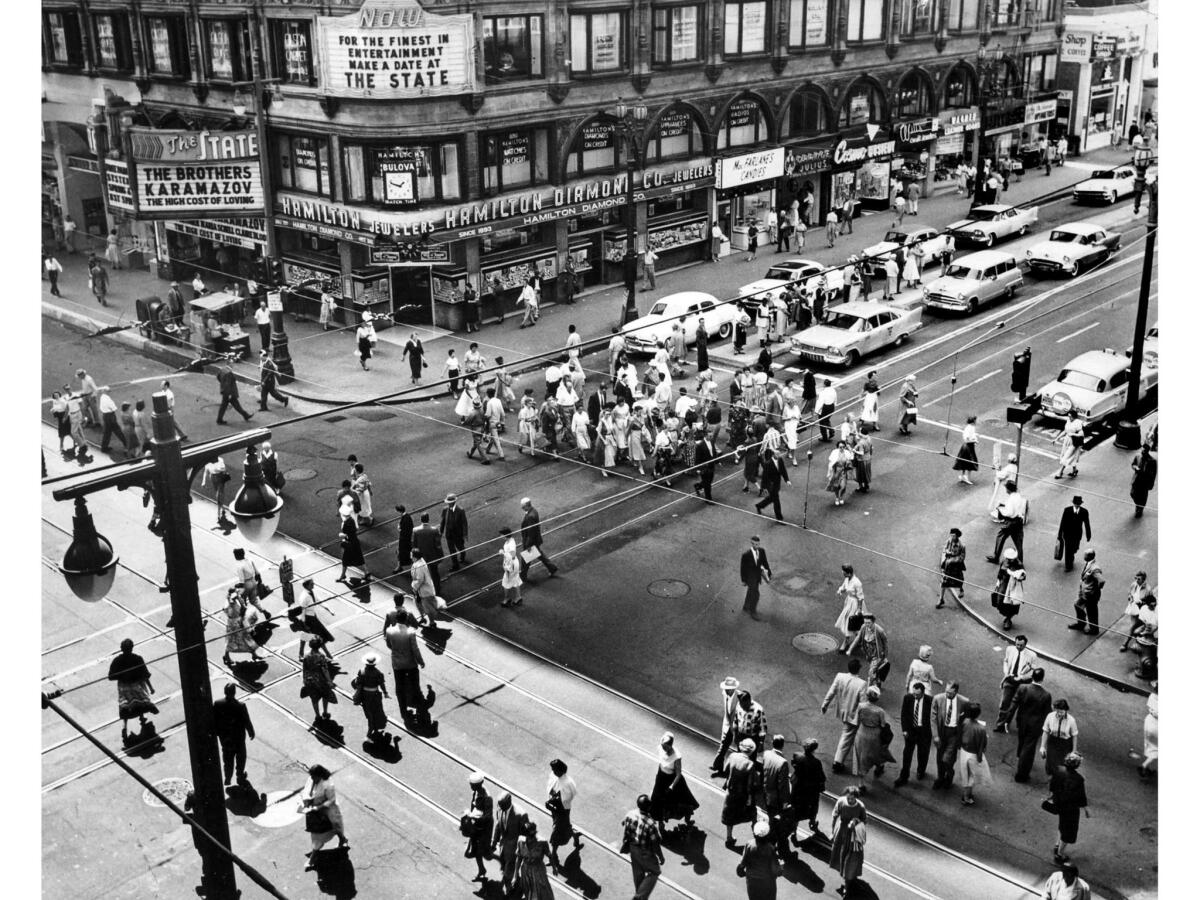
629,124
1129,433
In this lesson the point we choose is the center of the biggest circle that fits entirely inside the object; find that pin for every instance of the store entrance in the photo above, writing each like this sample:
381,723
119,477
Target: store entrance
412,297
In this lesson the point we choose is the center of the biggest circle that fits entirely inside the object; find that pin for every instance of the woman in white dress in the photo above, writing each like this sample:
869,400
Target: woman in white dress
638,436
912,268
791,426
920,669
620,421
579,429
1072,447
363,489
323,816
1149,763
527,425
854,603
870,410
608,437
468,397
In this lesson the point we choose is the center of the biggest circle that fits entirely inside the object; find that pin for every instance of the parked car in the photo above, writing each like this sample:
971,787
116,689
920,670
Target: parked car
973,280
1106,185
932,242
855,329
1094,384
1073,247
989,223
1149,345
791,271
643,334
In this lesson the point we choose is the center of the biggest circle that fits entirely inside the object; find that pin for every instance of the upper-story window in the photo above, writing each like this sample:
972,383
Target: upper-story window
60,35
598,43
745,123
595,148
745,27
113,49
963,15
166,40
863,104
678,135
512,48
512,159
864,21
960,89
1006,12
1040,71
291,41
918,17
808,25
402,174
302,163
914,97
227,49
1049,10
808,113
678,34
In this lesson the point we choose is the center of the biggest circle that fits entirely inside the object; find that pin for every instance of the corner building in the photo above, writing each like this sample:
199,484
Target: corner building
478,141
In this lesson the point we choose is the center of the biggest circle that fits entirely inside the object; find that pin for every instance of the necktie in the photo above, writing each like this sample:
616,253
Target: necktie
950,712
1016,664
918,706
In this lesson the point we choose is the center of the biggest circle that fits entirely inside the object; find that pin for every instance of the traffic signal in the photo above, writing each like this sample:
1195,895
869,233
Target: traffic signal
275,275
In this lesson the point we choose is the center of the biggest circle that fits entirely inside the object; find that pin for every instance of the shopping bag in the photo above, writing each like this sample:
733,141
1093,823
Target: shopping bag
531,555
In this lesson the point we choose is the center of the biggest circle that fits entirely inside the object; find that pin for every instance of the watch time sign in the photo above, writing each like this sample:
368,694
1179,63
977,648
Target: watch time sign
191,174
395,50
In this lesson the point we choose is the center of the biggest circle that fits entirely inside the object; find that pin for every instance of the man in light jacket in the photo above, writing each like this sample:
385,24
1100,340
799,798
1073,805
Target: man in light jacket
847,693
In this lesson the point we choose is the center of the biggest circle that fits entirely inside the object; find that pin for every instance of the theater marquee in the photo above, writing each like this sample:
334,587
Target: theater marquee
195,174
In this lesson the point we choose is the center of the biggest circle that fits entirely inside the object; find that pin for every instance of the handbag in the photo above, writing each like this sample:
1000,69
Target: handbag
358,692
316,821
1058,549
1050,806
855,622
881,673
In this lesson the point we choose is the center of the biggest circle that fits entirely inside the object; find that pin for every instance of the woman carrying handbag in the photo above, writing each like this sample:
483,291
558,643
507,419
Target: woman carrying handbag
322,815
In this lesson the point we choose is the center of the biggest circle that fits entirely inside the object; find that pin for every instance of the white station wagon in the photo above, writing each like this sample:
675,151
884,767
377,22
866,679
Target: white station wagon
1106,185
855,329
643,334
973,280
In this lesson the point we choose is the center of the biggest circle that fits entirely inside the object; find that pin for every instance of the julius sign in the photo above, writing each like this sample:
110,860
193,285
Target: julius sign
194,174
394,50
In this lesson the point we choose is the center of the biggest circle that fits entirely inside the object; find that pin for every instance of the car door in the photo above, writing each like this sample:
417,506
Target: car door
712,317
871,335
690,322
1096,251
1114,395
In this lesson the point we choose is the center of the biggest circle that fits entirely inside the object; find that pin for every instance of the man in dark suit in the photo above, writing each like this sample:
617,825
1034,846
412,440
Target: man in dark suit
510,825
755,569
776,789
774,474
231,722
1072,527
404,542
454,530
229,395
531,537
427,539
947,712
1032,703
706,459
915,713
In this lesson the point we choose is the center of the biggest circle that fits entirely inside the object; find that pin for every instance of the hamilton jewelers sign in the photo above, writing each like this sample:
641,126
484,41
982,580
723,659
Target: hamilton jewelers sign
395,50
749,168
190,174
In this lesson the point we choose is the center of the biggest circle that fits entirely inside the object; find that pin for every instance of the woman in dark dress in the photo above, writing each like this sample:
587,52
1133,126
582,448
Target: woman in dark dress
129,671
352,554
1067,789
414,352
479,839
808,396
671,797
370,687
808,781
967,461
759,866
317,684
954,567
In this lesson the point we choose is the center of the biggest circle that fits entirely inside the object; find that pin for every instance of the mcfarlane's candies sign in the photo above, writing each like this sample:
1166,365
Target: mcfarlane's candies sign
394,50
183,174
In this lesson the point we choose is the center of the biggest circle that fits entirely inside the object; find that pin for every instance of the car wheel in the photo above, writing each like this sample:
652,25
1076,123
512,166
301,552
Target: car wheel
991,239
1073,269
1008,292
1112,197
899,342
1024,230
725,330
972,306
852,359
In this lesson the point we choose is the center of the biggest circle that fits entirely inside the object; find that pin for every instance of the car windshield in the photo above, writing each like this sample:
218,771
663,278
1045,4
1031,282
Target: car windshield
896,237
845,322
780,273
1066,237
1075,378
982,215
659,309
1104,173
961,272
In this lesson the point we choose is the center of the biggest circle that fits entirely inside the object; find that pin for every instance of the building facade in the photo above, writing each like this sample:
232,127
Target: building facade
477,142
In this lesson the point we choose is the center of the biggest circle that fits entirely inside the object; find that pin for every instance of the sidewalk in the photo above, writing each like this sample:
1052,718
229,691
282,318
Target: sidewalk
327,369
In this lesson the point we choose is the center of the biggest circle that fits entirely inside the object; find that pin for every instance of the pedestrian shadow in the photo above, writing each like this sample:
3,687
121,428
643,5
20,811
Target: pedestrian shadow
436,638
245,800
248,672
861,890
798,871
335,873
329,732
571,871
386,750
144,743
688,844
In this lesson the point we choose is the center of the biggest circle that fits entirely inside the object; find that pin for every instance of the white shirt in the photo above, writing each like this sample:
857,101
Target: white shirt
553,374
827,396
651,257
528,295
1025,665
565,787
262,316
662,394
717,233
53,265
1014,506
970,435
106,404
573,342
683,404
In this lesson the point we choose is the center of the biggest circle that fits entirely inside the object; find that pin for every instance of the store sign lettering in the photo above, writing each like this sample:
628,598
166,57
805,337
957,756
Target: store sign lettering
1075,47
1041,111
957,121
915,132
843,154
749,168
196,172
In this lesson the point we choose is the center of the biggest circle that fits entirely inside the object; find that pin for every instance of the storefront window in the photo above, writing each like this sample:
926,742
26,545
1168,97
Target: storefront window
678,135
865,21
1100,112
292,42
963,15
914,97
1040,72
745,27
60,35
597,43
863,104
745,123
595,148
678,31
112,41
809,23
227,49
809,113
512,48
302,163
918,17
960,89
401,175
512,159
167,37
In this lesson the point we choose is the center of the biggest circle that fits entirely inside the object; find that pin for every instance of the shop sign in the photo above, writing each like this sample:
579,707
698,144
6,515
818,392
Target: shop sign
845,155
195,173
735,171
400,167
1040,111
950,144
957,121
918,130
675,124
1076,47
116,183
1129,43
249,233
395,50
84,164
389,253
1103,47
807,162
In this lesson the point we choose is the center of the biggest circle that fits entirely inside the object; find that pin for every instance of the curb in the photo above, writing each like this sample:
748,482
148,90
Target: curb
1112,681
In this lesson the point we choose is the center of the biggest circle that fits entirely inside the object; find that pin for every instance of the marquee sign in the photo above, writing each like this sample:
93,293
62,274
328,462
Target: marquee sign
395,50
195,174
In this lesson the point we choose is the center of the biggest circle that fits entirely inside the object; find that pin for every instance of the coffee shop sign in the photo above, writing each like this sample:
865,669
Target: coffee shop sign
843,153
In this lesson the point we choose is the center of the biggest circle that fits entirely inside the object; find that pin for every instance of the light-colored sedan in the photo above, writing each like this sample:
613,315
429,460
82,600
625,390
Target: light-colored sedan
642,335
933,245
855,329
1093,384
990,223
1106,185
796,272
1073,247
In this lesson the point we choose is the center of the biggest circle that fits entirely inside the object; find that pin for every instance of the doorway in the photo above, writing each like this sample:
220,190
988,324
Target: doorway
412,297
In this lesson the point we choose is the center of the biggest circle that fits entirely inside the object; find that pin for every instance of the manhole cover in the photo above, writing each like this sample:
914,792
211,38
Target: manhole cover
795,583
175,788
335,419
280,811
371,415
669,588
300,474
814,643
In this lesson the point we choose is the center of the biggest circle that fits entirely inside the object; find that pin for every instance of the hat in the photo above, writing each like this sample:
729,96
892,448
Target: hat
762,828
730,683
746,746
476,777
174,284
371,659
1010,553
1077,499
451,498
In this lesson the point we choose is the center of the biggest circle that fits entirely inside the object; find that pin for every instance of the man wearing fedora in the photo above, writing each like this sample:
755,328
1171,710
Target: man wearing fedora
454,530
729,688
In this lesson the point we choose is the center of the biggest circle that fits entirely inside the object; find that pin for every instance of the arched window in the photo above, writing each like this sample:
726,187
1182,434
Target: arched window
745,123
960,89
1004,78
863,104
914,97
595,148
679,134
808,113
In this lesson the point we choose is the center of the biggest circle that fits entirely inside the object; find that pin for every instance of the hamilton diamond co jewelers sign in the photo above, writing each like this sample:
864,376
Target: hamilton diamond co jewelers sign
395,50
195,174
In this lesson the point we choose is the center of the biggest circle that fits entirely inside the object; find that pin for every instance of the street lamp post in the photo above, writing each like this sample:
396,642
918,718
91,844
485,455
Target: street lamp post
89,566
630,122
985,71
1129,433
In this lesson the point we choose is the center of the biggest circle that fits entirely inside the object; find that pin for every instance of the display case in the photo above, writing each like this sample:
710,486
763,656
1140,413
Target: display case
503,276
676,238
307,280
370,289
447,287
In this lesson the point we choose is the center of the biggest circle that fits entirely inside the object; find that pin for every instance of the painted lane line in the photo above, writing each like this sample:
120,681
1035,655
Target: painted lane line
1025,448
965,386
1067,337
